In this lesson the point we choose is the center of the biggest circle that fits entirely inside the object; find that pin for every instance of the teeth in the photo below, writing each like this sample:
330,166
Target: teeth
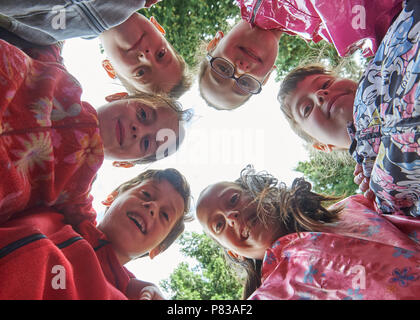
245,232
138,221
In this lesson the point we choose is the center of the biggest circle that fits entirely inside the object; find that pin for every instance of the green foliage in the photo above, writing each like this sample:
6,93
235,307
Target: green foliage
294,52
188,23
210,279
330,173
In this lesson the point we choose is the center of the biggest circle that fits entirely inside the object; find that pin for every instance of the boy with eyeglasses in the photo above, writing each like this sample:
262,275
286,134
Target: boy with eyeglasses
237,65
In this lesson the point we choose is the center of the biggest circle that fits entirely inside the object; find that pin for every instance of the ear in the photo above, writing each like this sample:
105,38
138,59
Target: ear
157,25
154,252
215,41
116,96
106,64
235,255
323,147
110,199
268,75
123,164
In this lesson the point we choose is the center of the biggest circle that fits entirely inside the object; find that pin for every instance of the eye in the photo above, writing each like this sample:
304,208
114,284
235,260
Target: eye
326,84
146,194
218,226
307,110
146,143
140,73
161,53
165,216
141,114
234,199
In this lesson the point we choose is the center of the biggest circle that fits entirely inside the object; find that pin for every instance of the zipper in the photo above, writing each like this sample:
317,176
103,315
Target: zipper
254,12
97,24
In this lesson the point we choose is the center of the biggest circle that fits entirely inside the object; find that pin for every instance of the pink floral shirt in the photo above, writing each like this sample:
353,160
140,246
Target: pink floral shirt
363,257
50,147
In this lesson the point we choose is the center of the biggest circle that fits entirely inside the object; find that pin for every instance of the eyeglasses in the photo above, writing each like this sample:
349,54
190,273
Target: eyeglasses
227,71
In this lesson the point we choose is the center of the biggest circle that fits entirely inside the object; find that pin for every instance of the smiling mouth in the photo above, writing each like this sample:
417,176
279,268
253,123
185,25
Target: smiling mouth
331,103
138,221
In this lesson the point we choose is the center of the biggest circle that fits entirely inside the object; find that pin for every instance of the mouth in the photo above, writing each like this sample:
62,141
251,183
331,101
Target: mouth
119,132
137,44
251,54
250,223
138,221
331,104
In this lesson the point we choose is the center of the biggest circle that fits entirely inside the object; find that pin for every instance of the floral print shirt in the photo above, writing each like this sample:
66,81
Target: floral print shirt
363,257
50,147
385,132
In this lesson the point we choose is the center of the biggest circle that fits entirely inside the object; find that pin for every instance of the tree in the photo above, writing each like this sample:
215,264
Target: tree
210,279
188,23
330,173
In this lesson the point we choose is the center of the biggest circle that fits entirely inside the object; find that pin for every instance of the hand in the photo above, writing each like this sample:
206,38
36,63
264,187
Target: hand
151,293
149,3
362,182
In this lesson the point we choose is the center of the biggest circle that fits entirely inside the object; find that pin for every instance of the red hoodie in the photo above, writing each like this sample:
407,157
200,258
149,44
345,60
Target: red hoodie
41,257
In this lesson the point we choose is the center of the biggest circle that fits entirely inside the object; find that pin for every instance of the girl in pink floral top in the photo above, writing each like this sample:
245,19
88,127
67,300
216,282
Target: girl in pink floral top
52,143
294,248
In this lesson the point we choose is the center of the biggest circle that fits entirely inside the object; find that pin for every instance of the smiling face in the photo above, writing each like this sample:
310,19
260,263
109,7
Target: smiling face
226,213
322,105
252,51
128,128
140,218
142,56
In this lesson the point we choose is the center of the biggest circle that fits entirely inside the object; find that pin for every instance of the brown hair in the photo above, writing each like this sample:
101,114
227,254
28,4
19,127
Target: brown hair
296,209
181,185
160,100
289,84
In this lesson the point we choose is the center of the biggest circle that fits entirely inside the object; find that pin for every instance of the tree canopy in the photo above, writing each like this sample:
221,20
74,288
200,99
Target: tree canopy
210,279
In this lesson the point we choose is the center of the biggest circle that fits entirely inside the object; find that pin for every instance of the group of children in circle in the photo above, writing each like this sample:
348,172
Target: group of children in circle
291,245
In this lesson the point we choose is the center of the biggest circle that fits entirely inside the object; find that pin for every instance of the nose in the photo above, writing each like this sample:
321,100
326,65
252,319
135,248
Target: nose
135,133
143,56
232,218
241,67
322,95
151,207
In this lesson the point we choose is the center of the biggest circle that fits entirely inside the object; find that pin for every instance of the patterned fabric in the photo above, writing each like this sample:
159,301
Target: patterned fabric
347,24
386,138
363,257
50,147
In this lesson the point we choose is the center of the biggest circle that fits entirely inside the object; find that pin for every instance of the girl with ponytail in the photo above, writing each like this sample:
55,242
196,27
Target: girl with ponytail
293,247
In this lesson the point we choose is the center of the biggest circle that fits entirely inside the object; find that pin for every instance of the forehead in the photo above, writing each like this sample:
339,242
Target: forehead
210,196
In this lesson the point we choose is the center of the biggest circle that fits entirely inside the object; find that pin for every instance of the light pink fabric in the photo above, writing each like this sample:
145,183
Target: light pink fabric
347,24
364,256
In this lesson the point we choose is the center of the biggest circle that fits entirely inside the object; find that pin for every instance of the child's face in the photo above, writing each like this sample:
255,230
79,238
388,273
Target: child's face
140,218
323,105
129,128
142,56
252,51
225,212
